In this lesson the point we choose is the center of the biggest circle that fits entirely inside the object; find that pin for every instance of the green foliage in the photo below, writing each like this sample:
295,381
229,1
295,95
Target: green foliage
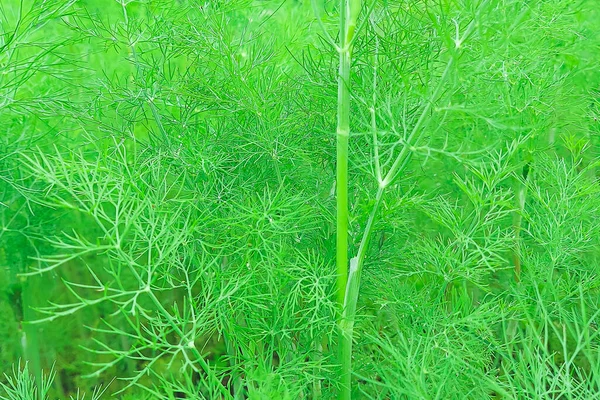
22,386
168,198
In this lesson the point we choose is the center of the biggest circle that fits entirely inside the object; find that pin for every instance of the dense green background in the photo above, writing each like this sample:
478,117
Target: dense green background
193,142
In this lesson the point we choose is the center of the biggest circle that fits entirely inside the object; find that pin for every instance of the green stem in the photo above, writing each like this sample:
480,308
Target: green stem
342,134
349,11
351,299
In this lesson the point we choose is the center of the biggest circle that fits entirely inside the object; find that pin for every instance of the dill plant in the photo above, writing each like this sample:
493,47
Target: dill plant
22,386
181,190
485,240
191,256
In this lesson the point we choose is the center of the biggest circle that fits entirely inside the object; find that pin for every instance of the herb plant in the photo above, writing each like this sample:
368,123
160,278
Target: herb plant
299,199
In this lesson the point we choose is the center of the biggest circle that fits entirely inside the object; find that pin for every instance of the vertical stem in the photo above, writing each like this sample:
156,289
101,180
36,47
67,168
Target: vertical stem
351,299
342,134
349,10
342,216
